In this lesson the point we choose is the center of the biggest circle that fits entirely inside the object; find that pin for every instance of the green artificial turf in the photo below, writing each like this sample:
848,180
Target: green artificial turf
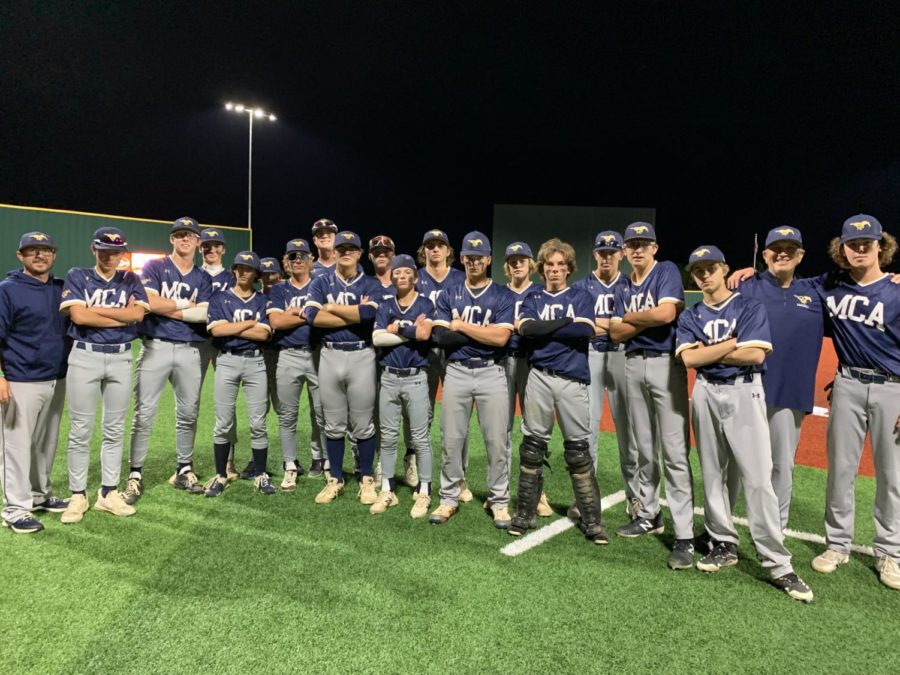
247,583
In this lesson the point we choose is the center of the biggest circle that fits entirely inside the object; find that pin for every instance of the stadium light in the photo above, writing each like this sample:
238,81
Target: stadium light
252,113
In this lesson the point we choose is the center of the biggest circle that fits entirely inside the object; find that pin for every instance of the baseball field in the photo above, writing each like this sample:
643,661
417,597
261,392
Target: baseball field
247,583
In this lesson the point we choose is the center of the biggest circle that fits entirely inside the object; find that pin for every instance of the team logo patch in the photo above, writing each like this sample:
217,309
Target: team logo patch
437,233
296,242
267,263
608,238
785,231
186,221
39,236
700,252
640,229
246,256
476,242
212,233
111,237
515,247
803,299
860,225
66,293
347,235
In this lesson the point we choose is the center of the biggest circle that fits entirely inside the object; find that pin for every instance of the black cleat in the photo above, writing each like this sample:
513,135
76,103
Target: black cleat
724,554
317,468
641,526
682,555
249,472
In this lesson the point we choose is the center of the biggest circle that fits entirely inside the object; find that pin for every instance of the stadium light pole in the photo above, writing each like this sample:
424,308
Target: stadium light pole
252,113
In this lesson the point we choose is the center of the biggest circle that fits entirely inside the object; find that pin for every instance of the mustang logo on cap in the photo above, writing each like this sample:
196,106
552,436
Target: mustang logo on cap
437,233
476,242
861,224
111,236
297,242
267,263
640,229
347,235
700,252
515,247
246,256
785,231
186,221
212,233
39,236
608,238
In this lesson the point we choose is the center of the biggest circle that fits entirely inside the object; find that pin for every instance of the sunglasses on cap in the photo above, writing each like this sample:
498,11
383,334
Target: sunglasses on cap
111,240
298,255
381,241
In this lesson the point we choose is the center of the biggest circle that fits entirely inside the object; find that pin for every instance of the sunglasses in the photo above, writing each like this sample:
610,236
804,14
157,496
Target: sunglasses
110,241
381,242
183,234
297,255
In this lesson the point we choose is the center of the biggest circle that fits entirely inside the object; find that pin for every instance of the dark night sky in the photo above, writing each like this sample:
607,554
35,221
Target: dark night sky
729,118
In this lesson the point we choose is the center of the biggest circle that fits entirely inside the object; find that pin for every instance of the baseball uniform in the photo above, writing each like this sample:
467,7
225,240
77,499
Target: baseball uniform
517,365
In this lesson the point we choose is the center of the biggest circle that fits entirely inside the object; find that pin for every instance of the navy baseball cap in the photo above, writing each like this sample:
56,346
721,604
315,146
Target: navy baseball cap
270,265
861,226
347,238
36,239
403,260
608,240
381,241
475,243
324,224
185,223
246,258
297,246
109,239
784,233
518,248
212,236
435,235
705,254
640,230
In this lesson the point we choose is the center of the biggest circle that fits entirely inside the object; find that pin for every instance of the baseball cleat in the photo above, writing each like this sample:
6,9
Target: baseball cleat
410,471
187,481
134,488
289,482
231,472
544,510
317,468
828,562
501,516
518,527
384,501
642,526
113,503
682,555
330,492
367,494
888,572
52,504
421,505
78,506
442,514
465,494
795,587
215,486
724,554
263,484
249,471
596,533
24,525
703,543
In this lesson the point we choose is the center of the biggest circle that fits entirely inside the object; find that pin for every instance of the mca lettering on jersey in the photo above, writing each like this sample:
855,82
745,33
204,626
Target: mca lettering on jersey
856,308
342,298
178,290
556,311
640,302
106,297
472,314
719,330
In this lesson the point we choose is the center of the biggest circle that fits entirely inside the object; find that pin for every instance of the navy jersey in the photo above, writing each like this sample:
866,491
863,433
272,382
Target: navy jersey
284,296
603,295
865,321
515,343
222,278
796,321
319,269
33,342
84,286
411,354
331,288
387,292
736,317
492,305
567,356
431,288
227,307
661,285
161,277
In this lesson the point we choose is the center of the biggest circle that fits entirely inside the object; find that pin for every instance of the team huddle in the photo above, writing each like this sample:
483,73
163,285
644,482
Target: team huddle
372,351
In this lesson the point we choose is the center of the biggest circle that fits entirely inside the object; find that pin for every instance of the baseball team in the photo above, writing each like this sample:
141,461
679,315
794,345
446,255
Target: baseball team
372,351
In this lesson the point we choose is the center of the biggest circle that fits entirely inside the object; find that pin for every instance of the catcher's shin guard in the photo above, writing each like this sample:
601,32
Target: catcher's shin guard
532,452
584,484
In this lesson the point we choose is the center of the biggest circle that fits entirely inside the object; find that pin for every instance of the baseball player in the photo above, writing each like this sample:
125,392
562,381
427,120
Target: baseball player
270,277
402,330
645,310
518,267
171,333
323,234
473,322
105,304
342,303
33,353
237,322
606,359
557,322
294,340
864,316
726,338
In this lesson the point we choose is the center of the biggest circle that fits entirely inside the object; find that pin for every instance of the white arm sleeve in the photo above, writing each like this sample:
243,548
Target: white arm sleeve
194,314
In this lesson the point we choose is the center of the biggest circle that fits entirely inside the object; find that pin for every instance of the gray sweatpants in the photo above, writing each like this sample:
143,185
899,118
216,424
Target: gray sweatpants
784,435
232,370
486,388
517,369
548,394
396,396
855,408
29,430
208,356
730,427
159,362
296,368
658,411
608,373
92,376
347,382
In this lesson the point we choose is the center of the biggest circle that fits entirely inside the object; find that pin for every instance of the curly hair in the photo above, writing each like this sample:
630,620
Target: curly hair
507,270
552,246
887,246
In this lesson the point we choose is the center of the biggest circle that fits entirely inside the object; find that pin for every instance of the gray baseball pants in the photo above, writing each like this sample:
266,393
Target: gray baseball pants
296,368
570,400
855,408
658,411
29,431
784,435
94,376
730,426
208,355
398,395
608,372
158,362
486,388
232,370
347,382
517,369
